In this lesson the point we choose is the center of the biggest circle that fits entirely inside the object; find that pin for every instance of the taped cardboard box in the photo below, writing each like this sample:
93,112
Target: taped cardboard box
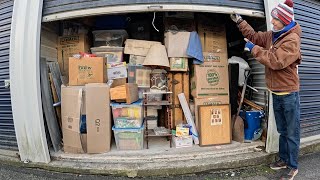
178,83
72,106
138,47
87,70
215,100
68,46
178,64
176,43
210,79
98,118
213,37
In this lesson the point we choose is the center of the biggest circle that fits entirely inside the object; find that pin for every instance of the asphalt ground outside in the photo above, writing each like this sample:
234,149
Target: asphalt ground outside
309,169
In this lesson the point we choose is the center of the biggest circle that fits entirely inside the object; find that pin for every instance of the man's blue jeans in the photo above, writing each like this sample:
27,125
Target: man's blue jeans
287,115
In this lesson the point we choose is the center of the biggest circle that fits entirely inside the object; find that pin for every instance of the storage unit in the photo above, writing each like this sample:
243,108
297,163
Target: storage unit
307,15
129,139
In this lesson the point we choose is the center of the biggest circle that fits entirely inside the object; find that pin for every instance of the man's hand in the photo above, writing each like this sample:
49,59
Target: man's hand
236,18
249,45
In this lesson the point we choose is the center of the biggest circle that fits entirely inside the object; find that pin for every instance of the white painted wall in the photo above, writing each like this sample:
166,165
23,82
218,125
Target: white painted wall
272,144
25,81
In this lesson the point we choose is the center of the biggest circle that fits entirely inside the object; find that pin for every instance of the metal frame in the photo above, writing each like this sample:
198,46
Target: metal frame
150,8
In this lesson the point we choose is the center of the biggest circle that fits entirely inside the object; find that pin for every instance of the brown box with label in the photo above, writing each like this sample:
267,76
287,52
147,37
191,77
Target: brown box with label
98,118
210,78
68,46
87,70
215,100
72,106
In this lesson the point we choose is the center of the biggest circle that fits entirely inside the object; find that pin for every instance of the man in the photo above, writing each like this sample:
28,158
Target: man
279,51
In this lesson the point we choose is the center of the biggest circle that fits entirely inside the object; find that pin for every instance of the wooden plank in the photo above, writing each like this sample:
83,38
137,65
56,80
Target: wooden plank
214,125
55,100
189,117
56,76
178,82
47,105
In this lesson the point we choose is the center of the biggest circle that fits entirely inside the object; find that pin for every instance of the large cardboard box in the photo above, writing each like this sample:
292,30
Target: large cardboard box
138,47
98,118
68,46
215,100
178,83
72,105
87,70
212,37
210,79
176,43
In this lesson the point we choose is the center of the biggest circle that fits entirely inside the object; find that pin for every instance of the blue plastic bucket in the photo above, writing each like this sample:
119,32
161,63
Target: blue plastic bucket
252,121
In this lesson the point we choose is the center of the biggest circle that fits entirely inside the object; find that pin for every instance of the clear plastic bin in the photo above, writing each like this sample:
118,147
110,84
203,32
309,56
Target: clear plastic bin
112,54
129,139
109,37
127,115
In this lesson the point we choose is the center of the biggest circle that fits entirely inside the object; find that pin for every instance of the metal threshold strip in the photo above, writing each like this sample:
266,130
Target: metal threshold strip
151,8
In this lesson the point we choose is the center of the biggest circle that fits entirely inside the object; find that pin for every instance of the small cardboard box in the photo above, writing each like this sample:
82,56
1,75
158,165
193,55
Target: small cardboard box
182,131
87,70
210,79
68,46
182,141
98,118
176,43
215,100
72,106
178,64
117,70
138,47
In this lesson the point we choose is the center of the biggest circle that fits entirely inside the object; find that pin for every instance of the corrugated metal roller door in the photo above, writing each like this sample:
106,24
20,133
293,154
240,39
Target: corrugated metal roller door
308,15
7,132
58,6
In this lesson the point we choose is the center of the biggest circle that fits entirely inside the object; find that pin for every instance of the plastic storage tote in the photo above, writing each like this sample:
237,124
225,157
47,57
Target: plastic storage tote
109,37
129,139
127,115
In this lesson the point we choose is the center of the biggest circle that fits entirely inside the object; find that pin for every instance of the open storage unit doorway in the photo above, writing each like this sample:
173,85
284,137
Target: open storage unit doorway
146,26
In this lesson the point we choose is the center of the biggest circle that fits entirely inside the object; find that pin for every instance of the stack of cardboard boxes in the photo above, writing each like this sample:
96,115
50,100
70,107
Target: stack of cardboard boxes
210,81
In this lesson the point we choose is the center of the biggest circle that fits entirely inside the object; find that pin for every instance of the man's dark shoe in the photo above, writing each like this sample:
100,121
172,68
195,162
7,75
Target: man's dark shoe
290,175
278,165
